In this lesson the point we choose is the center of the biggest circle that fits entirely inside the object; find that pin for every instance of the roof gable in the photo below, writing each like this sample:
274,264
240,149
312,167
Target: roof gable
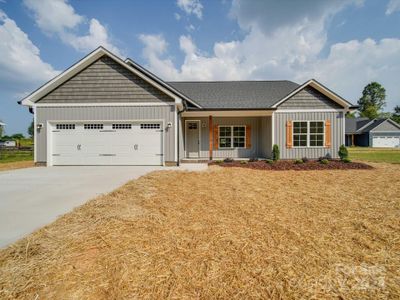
320,88
81,65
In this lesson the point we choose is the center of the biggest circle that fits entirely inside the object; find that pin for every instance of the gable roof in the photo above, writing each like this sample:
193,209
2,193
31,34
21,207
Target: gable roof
353,124
365,125
374,124
88,60
235,94
322,89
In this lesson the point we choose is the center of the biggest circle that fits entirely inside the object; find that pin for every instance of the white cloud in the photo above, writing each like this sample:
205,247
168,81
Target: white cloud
286,49
21,66
177,16
393,6
191,7
59,17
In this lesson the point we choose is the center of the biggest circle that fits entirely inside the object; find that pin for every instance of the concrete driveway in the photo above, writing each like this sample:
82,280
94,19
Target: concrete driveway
33,197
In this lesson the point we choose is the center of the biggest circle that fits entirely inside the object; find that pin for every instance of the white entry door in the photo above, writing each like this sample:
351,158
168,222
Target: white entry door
192,139
111,143
386,141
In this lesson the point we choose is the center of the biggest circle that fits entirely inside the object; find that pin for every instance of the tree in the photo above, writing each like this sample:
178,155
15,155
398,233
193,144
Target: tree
1,130
350,115
372,100
31,132
17,136
396,114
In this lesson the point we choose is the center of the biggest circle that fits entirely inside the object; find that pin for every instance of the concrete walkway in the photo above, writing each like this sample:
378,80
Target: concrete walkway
31,198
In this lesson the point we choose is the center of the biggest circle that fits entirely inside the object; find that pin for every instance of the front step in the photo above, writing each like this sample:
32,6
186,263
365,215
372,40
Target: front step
194,161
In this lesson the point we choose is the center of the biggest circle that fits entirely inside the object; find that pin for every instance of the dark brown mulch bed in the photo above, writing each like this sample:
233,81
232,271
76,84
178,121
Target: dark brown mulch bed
291,165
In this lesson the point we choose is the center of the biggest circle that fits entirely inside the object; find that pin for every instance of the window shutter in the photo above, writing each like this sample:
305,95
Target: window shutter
216,137
289,134
248,136
327,133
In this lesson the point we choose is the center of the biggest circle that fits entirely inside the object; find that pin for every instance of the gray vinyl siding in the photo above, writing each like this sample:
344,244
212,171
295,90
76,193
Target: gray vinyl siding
386,127
106,113
105,81
260,137
337,134
309,98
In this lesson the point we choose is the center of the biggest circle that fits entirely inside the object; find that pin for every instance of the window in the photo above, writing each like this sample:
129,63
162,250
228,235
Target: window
65,126
232,136
93,126
121,126
192,125
308,133
150,126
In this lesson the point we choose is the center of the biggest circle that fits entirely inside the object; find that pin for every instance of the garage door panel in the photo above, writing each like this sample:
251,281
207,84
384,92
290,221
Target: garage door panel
386,141
132,144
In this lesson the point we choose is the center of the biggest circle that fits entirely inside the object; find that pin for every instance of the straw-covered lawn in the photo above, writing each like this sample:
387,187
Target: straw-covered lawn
230,233
16,165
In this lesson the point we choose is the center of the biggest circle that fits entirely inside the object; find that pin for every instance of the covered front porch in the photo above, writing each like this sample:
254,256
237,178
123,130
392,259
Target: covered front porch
225,134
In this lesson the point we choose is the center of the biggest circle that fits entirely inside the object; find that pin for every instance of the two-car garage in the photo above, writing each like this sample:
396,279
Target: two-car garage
105,143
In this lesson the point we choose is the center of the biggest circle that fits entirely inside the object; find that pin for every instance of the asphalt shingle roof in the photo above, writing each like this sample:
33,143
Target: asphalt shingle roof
353,124
235,94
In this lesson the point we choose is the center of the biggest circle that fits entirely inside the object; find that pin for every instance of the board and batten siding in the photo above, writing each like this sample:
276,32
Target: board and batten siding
337,133
309,98
260,137
106,113
105,81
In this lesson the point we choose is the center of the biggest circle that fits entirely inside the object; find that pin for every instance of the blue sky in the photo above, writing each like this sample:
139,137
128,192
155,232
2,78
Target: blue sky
344,43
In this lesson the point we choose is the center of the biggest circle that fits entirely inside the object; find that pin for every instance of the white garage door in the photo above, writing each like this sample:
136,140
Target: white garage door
386,141
130,143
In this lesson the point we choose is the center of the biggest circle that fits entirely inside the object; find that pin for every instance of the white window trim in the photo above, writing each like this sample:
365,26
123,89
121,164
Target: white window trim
229,148
308,134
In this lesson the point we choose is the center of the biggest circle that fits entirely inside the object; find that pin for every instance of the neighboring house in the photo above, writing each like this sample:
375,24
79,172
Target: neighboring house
106,111
372,133
8,144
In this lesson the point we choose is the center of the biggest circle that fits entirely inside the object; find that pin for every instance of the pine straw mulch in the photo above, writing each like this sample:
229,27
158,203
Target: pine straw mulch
16,165
292,165
229,233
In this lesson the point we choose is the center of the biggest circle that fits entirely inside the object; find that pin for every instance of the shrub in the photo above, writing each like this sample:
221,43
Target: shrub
343,153
219,161
243,162
346,160
324,161
305,159
228,160
269,161
253,159
275,152
328,156
298,161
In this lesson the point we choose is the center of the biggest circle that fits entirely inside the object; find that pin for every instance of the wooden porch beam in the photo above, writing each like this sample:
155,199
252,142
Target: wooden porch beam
210,136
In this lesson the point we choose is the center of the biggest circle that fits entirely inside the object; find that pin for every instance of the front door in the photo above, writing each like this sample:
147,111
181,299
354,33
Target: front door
192,139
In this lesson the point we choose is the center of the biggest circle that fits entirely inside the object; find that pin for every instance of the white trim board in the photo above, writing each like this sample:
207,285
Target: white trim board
307,110
99,104
228,113
85,62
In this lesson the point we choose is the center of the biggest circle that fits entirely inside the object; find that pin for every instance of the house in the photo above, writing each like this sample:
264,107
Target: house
8,144
107,111
372,133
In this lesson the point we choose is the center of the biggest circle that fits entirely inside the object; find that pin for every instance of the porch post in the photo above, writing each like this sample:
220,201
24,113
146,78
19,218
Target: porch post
352,139
210,136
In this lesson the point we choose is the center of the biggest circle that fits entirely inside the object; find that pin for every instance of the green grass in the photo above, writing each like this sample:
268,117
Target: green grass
388,155
7,156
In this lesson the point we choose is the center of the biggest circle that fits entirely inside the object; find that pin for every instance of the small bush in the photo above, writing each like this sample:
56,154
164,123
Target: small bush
243,162
305,159
219,161
324,161
253,159
269,161
346,160
343,153
328,156
228,160
298,161
275,152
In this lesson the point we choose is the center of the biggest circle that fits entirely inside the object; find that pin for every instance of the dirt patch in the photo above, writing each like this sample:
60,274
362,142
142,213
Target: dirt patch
291,165
16,165
227,233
